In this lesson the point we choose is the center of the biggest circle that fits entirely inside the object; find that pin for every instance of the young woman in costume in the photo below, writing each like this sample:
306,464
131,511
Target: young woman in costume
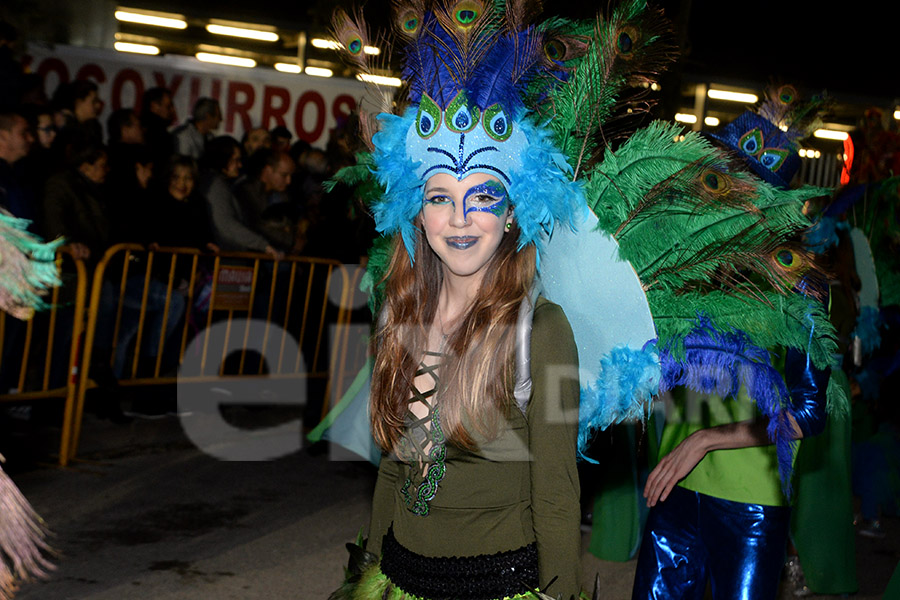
469,473
474,395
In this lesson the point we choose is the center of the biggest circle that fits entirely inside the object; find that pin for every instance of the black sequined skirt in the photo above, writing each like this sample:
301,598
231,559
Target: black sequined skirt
484,577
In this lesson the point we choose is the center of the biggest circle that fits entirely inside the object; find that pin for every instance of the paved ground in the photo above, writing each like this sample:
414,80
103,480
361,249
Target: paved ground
145,514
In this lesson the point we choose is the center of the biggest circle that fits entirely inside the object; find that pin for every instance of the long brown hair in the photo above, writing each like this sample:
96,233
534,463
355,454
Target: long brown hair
477,371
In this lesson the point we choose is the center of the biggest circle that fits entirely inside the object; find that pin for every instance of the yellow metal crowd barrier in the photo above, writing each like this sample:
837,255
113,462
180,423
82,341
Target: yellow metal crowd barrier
40,356
174,297
147,316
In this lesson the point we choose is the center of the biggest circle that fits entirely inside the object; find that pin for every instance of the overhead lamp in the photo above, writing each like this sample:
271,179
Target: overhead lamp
288,68
224,59
732,96
318,72
243,32
897,114
380,80
685,118
157,20
325,44
136,48
711,121
831,134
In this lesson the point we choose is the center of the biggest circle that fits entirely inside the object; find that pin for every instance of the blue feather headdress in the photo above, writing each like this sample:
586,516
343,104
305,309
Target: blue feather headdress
468,69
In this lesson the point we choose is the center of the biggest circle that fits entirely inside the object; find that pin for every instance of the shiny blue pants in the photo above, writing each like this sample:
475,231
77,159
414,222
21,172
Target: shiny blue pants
693,537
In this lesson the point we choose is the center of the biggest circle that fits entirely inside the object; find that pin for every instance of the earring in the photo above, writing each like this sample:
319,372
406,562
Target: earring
508,226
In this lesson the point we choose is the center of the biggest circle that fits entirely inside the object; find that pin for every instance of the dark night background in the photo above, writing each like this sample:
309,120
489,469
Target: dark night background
850,48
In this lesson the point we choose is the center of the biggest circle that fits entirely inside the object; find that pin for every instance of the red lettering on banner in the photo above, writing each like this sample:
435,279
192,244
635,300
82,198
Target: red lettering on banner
53,65
122,77
234,108
195,91
91,71
316,99
172,86
343,101
270,92
216,92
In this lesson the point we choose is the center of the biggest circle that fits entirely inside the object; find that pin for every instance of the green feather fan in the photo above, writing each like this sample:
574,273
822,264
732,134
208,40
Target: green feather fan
779,321
27,267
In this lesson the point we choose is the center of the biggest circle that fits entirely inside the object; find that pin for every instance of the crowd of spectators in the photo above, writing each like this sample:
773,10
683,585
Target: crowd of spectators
144,177
95,186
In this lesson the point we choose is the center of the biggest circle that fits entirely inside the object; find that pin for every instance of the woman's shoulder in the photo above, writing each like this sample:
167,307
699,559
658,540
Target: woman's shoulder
548,315
549,326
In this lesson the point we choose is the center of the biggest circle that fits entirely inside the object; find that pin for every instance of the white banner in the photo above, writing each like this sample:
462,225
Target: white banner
259,97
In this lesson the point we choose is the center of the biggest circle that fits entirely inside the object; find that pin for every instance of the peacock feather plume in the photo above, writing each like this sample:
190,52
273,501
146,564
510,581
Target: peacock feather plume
714,250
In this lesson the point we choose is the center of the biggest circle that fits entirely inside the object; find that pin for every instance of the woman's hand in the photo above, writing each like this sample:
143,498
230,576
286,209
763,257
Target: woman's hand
674,467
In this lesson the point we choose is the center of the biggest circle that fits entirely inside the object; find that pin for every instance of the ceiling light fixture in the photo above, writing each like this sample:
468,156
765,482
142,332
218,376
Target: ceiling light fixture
325,44
288,68
224,59
380,80
136,48
318,72
171,21
242,32
831,134
732,96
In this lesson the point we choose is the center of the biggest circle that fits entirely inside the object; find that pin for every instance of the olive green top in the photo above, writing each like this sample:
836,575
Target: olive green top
518,488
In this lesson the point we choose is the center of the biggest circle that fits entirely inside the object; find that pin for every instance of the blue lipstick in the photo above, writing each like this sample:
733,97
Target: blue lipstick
462,242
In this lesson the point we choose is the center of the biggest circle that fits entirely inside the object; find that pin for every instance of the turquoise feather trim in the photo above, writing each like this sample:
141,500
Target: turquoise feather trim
27,265
628,381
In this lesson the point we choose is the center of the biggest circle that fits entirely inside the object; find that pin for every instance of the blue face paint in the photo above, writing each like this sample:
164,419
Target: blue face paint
489,196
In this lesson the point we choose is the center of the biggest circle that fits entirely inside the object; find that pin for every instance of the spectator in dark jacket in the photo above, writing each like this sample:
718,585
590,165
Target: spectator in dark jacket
261,194
78,105
15,141
157,114
74,206
223,164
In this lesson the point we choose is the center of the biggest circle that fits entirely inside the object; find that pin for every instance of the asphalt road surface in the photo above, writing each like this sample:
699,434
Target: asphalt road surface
145,514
